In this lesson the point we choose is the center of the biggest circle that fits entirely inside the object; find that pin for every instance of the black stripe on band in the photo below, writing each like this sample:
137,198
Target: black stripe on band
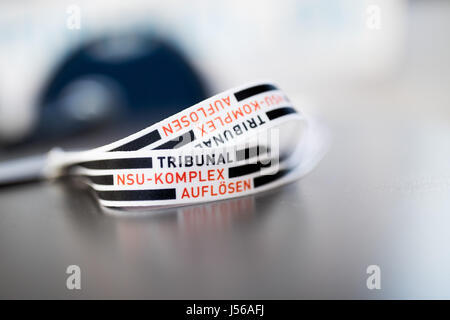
127,163
103,180
273,114
239,171
262,180
249,92
141,142
138,195
178,141
249,153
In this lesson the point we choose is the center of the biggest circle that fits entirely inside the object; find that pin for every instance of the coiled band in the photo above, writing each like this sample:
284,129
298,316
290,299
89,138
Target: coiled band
239,142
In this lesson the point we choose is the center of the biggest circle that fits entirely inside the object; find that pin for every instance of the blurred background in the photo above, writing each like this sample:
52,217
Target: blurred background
69,67
79,74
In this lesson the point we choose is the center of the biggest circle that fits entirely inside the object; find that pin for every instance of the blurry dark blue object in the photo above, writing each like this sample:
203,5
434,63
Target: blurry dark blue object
114,80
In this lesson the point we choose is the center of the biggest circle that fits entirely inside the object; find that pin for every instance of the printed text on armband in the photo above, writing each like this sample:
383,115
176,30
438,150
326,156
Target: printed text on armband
207,127
194,116
198,160
168,178
215,190
230,134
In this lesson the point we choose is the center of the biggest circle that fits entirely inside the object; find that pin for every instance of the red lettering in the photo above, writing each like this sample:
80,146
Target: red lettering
210,175
211,125
202,129
130,179
192,175
167,129
185,194
226,100
256,105
185,121
121,179
158,178
177,124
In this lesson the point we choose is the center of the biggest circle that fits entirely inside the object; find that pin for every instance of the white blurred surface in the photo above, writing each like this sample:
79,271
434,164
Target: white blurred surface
298,44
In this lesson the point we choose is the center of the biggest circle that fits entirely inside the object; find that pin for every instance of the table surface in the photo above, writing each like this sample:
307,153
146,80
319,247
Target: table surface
380,196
